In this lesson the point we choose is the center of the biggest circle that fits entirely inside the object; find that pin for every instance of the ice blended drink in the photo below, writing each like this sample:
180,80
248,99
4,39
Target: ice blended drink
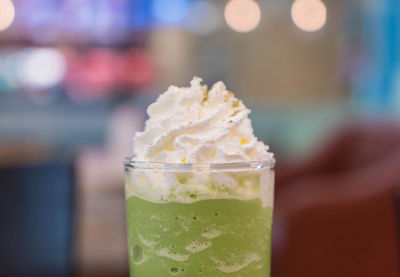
199,190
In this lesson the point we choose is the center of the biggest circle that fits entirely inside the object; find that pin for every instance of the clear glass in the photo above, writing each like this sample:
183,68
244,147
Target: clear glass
199,219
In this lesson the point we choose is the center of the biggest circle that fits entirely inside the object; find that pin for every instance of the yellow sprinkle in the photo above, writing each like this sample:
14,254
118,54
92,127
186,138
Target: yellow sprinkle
183,160
244,141
170,148
235,103
252,153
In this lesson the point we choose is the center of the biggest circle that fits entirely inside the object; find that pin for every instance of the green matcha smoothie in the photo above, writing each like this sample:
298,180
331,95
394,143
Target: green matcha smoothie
199,189
211,232
205,238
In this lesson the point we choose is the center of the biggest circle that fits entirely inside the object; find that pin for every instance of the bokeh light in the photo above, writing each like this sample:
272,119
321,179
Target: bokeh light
202,18
43,67
10,66
242,15
309,15
170,11
7,14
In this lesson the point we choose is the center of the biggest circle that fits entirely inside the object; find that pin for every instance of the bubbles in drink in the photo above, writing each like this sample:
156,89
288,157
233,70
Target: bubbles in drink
197,246
137,253
211,234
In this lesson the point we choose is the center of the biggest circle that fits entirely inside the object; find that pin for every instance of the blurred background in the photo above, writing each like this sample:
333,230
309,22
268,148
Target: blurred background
322,79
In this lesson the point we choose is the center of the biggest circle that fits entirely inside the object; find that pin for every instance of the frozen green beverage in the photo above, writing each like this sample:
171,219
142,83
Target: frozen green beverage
199,203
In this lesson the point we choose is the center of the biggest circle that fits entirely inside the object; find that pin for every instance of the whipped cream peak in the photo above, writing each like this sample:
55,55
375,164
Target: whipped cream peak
197,125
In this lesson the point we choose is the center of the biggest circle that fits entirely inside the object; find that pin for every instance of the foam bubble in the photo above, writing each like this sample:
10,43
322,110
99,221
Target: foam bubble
211,234
197,246
164,252
230,268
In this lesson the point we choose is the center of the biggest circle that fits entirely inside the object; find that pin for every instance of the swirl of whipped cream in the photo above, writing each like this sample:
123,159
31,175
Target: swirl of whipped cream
197,125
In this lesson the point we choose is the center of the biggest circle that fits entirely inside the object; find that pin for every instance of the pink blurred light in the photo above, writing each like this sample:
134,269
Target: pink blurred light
101,72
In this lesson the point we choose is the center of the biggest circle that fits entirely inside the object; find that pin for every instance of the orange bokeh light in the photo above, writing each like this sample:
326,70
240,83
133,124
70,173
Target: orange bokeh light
309,15
242,15
7,14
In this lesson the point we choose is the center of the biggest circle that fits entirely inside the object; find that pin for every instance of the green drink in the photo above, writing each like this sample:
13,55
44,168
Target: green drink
203,220
199,191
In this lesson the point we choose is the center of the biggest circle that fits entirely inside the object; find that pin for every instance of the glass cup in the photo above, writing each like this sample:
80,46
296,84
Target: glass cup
199,219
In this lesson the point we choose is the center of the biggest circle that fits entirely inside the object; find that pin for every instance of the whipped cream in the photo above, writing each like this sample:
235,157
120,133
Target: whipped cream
197,125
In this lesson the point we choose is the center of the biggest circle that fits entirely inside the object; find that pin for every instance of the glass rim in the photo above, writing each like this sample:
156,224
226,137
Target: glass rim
129,162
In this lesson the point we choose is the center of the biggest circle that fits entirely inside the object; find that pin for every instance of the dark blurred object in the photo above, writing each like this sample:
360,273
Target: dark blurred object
338,209
398,215
36,215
